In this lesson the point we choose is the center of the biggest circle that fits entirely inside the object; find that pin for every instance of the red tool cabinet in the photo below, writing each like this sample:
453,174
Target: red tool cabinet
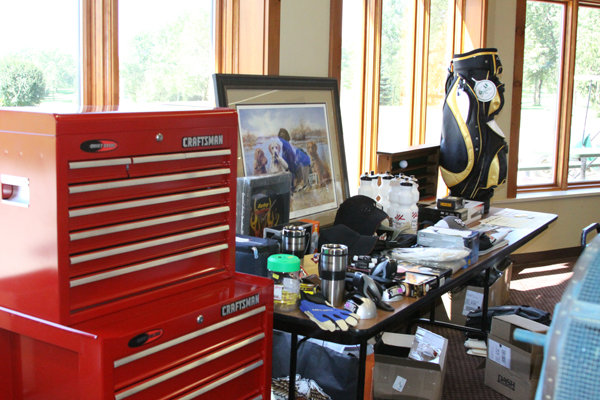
118,237
104,210
212,342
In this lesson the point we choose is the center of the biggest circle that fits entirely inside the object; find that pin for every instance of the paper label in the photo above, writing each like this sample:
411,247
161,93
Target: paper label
277,289
473,301
399,383
499,353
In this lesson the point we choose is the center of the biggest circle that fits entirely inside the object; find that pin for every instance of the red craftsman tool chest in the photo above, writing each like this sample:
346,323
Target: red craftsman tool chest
117,252
104,210
212,342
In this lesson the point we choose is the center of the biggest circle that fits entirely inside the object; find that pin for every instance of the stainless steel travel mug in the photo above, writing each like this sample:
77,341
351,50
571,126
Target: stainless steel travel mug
332,271
294,240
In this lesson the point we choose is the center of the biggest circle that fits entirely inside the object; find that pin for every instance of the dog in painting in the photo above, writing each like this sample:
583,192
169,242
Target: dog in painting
278,163
260,162
317,164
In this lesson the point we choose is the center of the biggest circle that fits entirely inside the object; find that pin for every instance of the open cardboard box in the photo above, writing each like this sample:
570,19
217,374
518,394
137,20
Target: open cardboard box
398,376
455,305
512,367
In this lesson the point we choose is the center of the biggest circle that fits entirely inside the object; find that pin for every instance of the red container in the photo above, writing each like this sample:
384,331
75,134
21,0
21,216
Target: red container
103,210
212,342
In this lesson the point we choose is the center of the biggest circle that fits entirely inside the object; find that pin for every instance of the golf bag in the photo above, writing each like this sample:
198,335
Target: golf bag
473,149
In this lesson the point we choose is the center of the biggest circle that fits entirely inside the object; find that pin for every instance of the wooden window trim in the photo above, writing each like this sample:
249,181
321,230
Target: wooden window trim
240,22
100,51
566,91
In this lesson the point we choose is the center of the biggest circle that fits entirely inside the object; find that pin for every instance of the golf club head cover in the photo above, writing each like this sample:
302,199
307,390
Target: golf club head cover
328,318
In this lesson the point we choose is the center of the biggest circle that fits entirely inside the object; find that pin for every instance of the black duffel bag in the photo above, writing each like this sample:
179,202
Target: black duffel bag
532,313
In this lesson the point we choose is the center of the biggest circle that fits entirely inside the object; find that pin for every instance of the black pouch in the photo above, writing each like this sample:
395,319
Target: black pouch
251,254
532,313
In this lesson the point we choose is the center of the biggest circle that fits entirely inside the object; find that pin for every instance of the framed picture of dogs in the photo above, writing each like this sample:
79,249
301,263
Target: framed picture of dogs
290,124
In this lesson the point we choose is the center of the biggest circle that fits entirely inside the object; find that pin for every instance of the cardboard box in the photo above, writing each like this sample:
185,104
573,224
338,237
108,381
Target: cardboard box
398,375
454,306
512,367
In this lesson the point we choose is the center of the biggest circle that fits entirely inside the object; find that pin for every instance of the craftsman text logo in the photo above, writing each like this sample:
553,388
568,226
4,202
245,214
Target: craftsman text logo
506,382
239,305
98,146
202,141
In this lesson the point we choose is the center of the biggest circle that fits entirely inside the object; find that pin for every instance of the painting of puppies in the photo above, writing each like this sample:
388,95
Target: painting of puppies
278,164
318,166
260,162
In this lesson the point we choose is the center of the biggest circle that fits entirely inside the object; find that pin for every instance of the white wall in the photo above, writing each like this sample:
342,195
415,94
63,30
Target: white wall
304,38
304,52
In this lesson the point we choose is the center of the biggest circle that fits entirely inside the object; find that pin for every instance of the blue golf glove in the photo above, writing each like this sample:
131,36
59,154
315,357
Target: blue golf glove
328,318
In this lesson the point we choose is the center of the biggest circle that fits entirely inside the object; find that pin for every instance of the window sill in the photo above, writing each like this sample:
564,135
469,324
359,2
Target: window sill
555,195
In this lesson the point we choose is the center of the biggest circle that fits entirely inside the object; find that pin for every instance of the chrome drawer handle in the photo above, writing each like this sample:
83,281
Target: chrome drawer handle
188,337
147,244
187,367
80,212
146,223
93,187
152,264
181,156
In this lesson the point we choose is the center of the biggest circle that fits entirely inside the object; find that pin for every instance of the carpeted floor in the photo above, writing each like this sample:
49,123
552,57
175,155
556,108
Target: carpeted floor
536,286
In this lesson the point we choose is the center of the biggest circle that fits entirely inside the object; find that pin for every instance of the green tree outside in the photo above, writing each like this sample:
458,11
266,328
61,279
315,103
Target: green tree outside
21,84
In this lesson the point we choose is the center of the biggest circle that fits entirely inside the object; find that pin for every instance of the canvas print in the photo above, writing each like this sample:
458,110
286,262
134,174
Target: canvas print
294,138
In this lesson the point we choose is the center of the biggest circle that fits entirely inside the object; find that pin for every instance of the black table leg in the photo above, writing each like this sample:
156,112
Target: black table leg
362,367
293,361
484,306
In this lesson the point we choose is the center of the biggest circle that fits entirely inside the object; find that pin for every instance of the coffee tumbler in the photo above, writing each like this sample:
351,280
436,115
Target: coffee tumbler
332,270
294,240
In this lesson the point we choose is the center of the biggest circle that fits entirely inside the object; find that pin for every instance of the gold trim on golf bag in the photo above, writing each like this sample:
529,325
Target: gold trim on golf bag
473,149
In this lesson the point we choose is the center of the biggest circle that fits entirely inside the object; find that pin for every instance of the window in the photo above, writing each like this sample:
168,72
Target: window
558,108
75,52
39,53
395,57
165,53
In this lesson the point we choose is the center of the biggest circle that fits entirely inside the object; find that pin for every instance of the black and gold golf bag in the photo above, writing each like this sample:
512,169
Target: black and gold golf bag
473,149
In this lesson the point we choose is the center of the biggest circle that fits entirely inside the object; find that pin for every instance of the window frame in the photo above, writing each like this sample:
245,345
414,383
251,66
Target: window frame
246,41
565,102
469,32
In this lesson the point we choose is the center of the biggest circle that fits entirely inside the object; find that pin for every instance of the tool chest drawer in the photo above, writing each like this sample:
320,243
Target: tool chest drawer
205,343
114,208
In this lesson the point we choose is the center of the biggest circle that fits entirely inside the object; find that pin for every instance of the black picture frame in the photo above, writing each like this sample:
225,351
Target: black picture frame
233,90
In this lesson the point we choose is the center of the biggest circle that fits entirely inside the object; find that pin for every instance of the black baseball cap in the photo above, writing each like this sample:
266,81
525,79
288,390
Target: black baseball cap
360,213
341,234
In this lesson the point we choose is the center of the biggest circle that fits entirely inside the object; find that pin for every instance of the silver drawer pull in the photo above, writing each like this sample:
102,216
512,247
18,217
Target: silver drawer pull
152,264
99,163
147,244
194,364
188,337
222,381
146,223
93,187
181,156
79,212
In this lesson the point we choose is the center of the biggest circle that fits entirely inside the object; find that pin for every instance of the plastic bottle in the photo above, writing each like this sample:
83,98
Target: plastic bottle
384,191
416,198
401,210
366,187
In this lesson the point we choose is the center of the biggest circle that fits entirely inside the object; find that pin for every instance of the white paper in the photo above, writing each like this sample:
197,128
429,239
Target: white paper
277,291
473,301
399,383
499,353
